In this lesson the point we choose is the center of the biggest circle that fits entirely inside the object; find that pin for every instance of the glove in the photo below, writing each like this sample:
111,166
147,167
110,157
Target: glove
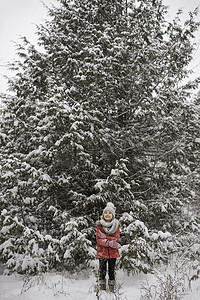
101,235
113,244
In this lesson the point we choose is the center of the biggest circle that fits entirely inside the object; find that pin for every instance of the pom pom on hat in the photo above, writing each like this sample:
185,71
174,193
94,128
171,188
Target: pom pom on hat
110,207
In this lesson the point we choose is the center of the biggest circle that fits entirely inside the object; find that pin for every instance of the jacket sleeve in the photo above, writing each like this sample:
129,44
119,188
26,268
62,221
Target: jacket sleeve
101,242
110,238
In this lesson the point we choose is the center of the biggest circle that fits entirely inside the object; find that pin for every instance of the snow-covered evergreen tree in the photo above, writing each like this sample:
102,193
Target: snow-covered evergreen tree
101,114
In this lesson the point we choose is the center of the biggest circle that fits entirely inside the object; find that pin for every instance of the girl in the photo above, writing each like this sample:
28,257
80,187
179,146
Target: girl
107,237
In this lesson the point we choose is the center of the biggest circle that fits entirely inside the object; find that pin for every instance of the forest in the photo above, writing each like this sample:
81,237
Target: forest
101,110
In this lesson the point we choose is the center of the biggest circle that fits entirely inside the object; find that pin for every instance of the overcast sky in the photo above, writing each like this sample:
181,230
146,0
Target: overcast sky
17,17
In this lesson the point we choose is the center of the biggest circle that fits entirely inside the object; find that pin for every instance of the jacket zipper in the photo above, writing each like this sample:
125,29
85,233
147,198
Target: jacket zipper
108,251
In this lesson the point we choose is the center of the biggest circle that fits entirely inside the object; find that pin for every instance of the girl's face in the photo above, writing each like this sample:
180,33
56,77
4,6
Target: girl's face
108,216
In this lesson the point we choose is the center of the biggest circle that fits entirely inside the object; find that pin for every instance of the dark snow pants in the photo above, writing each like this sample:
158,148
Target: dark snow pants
103,262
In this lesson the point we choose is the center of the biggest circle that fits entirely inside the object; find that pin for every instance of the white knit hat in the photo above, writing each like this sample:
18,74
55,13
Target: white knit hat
110,207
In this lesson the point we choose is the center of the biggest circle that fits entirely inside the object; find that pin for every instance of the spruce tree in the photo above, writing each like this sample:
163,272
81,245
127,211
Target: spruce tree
100,114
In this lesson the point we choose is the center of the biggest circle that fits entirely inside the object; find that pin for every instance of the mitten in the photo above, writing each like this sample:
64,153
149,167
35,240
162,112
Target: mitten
114,244
101,235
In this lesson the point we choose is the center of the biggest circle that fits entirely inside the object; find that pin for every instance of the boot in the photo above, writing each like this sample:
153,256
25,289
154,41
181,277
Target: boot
102,284
111,285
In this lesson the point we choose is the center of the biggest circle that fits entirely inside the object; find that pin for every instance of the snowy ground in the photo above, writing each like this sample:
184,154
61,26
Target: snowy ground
51,286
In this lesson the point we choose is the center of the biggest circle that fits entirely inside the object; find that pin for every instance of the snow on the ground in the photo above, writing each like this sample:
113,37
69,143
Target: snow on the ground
51,286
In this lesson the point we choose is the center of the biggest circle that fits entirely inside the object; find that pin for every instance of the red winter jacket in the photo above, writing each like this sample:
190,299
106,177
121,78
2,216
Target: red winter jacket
103,251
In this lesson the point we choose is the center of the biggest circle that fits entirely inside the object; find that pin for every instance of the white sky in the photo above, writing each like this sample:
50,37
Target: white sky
17,17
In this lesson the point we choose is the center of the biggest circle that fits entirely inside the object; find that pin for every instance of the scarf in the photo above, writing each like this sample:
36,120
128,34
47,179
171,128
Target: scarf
110,227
